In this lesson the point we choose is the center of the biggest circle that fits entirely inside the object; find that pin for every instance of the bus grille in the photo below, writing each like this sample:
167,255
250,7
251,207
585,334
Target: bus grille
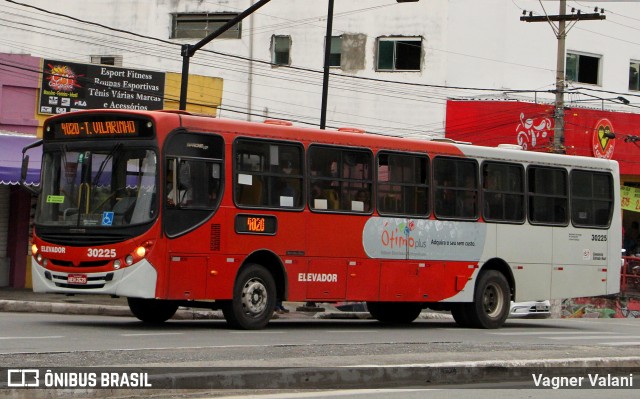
68,263
215,237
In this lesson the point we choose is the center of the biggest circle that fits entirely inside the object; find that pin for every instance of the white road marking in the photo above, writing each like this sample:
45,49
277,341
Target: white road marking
589,337
149,334
546,333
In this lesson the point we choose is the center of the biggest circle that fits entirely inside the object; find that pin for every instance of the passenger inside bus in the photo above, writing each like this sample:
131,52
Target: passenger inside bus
180,193
287,191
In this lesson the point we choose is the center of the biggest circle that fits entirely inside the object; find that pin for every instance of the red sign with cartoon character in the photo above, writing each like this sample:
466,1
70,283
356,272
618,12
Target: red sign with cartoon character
587,132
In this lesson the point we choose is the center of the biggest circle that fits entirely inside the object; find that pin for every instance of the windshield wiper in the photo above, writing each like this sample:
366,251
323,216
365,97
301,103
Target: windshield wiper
104,163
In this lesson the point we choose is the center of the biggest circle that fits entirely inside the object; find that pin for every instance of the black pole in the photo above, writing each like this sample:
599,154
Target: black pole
325,77
189,50
186,55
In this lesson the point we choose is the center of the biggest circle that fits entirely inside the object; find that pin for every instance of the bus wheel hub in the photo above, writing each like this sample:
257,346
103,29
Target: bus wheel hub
254,297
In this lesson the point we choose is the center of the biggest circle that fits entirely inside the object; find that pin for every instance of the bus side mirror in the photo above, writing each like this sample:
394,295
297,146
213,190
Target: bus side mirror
25,168
23,176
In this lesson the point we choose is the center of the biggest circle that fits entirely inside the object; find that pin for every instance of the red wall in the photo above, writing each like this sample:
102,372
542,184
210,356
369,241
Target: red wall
496,122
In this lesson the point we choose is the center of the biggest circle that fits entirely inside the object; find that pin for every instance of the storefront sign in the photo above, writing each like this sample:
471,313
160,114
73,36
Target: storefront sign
67,87
630,197
603,144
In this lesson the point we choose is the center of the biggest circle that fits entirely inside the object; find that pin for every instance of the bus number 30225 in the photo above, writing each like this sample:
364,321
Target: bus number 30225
101,253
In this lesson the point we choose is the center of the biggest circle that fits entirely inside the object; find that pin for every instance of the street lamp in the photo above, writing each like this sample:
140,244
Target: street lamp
327,54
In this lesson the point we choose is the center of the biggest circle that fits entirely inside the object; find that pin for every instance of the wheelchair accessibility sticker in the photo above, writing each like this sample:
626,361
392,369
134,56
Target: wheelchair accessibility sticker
107,218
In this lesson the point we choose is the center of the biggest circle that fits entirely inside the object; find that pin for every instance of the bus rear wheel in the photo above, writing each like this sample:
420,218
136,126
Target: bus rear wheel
152,310
394,312
490,307
254,299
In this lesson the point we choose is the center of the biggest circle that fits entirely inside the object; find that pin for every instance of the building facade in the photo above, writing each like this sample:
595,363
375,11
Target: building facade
393,65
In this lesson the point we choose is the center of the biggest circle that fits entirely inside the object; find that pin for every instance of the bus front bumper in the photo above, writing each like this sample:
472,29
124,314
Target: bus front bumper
138,281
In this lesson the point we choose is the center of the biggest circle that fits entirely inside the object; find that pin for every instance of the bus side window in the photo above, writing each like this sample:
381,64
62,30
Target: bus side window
402,184
548,195
338,175
268,173
455,188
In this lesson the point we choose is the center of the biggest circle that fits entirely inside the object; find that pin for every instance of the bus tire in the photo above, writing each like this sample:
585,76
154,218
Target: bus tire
394,312
460,313
153,311
490,307
254,299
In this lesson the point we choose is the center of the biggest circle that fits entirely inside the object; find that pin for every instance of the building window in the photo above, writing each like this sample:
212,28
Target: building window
114,60
281,50
335,55
199,25
634,71
399,54
583,68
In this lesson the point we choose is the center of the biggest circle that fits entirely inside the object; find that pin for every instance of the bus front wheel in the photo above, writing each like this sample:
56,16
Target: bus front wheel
152,310
254,299
491,301
394,312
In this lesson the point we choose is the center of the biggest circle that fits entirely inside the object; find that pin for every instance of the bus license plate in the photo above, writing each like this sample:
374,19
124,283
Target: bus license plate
77,279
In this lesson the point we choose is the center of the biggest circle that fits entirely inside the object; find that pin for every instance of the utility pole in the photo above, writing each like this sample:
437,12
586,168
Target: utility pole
561,35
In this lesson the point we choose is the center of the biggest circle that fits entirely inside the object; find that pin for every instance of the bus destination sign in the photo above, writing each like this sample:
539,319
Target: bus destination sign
102,128
98,126
256,224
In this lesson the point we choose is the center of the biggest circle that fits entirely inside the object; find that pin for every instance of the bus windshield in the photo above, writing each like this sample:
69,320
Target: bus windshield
105,188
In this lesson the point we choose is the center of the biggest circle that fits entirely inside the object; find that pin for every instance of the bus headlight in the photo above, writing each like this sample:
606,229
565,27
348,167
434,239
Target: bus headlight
34,249
128,260
141,252
117,264
39,258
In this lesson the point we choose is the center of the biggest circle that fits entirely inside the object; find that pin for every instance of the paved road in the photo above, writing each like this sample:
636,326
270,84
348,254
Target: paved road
298,352
37,339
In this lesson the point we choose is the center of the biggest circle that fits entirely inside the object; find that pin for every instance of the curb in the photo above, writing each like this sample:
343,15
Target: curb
453,374
447,375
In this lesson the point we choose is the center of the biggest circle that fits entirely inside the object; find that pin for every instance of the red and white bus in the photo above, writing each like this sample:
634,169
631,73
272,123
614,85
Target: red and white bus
170,209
